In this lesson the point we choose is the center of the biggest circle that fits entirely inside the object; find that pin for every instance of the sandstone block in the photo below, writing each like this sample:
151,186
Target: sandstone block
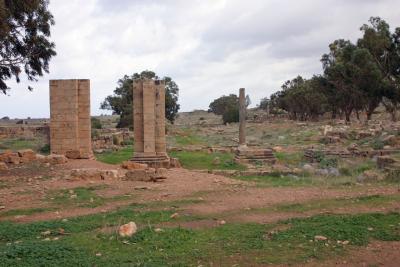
27,155
73,154
138,175
3,166
174,163
127,230
130,165
56,159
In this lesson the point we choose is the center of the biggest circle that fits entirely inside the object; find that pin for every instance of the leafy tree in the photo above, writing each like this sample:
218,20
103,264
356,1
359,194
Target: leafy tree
121,102
24,40
221,104
384,47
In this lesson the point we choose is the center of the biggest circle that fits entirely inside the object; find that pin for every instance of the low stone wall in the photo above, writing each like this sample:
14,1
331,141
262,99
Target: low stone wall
24,131
314,154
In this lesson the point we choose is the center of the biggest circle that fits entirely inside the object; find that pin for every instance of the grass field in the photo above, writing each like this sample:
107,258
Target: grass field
116,157
84,241
204,160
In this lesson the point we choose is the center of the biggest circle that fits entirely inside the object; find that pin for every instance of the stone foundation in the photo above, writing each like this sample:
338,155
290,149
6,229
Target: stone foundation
254,155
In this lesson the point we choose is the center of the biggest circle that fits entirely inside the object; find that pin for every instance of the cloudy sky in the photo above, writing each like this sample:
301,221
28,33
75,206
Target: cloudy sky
209,47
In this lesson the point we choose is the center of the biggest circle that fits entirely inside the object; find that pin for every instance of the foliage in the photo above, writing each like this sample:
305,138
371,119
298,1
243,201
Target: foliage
356,78
231,114
45,149
24,40
228,107
328,162
96,123
121,103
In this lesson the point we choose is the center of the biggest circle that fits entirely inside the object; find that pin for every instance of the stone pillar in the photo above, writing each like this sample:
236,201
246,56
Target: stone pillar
242,118
149,123
70,127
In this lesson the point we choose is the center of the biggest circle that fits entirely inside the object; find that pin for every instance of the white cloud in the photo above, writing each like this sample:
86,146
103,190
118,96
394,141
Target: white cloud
209,48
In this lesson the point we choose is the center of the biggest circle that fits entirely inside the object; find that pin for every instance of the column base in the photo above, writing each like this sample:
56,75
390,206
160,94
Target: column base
247,155
159,160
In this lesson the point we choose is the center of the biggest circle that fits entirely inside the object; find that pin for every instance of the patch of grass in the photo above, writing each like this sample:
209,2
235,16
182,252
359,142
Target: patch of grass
370,201
241,244
289,158
24,211
188,140
204,160
19,143
79,196
116,157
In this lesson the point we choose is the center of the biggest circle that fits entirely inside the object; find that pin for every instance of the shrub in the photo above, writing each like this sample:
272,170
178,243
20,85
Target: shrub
96,123
45,149
328,162
231,114
377,144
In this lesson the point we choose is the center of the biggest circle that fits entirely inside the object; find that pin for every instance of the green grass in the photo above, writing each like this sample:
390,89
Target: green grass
242,244
204,160
369,201
79,196
289,158
116,157
188,140
31,211
18,144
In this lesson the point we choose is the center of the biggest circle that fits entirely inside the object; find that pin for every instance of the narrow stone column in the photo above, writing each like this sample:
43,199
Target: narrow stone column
138,115
242,118
161,146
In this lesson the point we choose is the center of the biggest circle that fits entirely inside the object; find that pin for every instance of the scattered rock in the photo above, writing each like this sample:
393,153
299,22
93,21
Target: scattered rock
370,176
138,175
56,159
216,161
308,167
130,165
277,149
174,163
328,172
320,238
127,230
390,140
27,155
3,166
175,215
158,230
222,222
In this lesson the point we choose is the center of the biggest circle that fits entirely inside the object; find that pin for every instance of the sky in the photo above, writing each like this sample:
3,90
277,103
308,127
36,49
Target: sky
209,48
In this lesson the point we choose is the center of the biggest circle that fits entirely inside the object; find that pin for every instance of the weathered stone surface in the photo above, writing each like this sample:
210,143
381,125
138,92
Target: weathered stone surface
174,163
127,230
56,159
370,176
131,165
27,155
94,174
390,140
138,175
384,161
73,154
3,166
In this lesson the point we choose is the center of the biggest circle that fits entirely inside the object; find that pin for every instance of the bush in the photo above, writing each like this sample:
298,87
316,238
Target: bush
328,162
96,123
231,114
45,149
377,144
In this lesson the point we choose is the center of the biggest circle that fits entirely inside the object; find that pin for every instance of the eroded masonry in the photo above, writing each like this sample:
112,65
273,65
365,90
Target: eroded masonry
149,123
70,129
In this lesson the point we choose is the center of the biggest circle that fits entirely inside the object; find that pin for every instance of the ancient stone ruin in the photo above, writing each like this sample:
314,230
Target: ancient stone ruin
149,123
245,154
70,129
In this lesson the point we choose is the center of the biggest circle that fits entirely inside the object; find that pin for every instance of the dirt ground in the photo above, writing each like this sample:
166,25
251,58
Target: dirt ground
217,197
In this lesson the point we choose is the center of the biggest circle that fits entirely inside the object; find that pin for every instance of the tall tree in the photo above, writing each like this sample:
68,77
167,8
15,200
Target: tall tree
24,40
384,47
121,103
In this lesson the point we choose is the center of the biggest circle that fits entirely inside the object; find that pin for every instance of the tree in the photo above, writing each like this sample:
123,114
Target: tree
121,103
355,77
24,40
384,47
221,104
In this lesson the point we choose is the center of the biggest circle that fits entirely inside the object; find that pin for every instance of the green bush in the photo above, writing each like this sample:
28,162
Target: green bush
231,114
328,162
377,144
96,123
45,149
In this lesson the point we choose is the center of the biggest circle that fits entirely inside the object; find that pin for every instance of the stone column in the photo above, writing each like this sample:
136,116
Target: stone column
70,127
149,123
242,118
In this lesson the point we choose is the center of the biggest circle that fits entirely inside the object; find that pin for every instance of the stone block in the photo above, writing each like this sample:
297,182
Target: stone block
138,175
3,166
56,159
175,163
73,154
27,155
130,165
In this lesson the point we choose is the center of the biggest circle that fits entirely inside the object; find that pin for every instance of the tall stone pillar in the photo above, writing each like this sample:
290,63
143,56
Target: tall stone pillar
149,123
242,118
70,127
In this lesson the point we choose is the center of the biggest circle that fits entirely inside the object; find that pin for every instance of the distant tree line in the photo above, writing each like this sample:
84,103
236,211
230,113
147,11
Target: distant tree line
356,78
